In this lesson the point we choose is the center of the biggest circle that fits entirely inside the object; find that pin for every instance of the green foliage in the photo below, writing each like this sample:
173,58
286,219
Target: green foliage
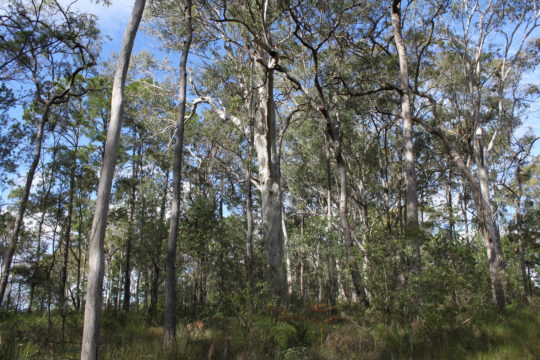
480,333
283,334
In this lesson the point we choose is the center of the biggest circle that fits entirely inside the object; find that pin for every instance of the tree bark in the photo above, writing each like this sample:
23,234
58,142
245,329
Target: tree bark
286,253
79,264
411,201
521,233
269,179
67,240
89,349
250,261
170,283
491,233
485,222
39,233
131,230
347,234
162,234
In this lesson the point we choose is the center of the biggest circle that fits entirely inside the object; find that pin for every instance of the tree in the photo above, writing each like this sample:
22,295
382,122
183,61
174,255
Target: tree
53,72
89,349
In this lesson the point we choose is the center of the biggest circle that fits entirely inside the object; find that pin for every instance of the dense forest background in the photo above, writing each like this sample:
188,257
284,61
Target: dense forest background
294,179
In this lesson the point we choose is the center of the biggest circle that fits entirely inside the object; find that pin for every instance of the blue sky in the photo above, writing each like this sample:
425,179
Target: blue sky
113,19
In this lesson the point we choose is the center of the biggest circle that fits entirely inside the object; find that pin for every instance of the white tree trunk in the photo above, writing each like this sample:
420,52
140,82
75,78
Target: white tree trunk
490,231
269,179
411,202
89,349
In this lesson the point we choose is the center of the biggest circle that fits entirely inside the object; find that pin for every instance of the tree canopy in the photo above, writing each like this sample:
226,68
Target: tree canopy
269,167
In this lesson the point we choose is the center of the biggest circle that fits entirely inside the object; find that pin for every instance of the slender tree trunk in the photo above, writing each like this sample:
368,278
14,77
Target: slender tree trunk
302,264
170,284
14,238
79,264
332,263
485,218
89,349
450,206
347,234
250,266
127,268
162,234
411,201
385,182
464,202
317,265
40,232
137,290
364,218
67,241
286,252
131,230
520,233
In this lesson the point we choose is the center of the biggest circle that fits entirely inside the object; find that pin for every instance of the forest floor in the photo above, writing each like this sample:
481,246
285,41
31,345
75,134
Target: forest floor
318,333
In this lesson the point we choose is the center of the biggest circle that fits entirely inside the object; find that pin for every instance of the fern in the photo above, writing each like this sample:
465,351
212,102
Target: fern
281,333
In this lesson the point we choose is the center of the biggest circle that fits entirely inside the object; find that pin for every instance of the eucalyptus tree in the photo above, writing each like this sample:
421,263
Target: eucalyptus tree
57,45
411,200
89,349
171,275
170,294
471,67
325,45
253,29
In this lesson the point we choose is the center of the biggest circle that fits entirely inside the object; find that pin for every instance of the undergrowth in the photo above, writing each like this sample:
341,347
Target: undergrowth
322,332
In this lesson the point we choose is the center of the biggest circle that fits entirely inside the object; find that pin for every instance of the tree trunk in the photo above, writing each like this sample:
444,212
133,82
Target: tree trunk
250,266
79,264
269,178
411,202
161,234
67,241
131,230
89,349
39,233
170,284
345,227
14,238
485,220
450,206
285,248
491,233
332,263
520,233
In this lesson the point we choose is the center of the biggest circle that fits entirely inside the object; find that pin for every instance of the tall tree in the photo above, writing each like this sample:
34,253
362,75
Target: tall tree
170,282
90,338
411,201
53,72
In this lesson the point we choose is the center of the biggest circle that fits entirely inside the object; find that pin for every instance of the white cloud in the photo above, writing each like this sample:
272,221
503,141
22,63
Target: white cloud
112,19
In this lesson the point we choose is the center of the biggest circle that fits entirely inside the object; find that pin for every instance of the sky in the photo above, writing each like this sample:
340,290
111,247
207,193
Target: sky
113,19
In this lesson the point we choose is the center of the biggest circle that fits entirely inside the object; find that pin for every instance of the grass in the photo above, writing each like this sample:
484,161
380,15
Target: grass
331,335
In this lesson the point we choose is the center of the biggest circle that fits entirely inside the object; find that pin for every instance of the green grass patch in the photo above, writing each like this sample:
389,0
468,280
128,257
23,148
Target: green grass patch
325,335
